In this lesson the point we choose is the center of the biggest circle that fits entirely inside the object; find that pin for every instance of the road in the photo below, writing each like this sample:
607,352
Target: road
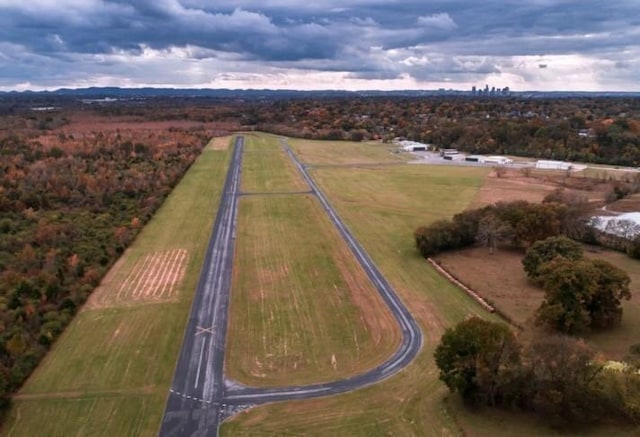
199,398
194,406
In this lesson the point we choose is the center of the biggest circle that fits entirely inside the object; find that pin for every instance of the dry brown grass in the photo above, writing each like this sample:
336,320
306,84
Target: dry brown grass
499,278
220,143
533,185
628,204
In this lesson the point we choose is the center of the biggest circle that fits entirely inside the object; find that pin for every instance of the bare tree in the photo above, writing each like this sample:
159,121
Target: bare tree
492,231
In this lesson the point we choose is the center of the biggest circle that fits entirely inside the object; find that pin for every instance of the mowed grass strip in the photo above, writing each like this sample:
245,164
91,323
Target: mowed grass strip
302,310
266,168
130,415
95,377
345,152
382,206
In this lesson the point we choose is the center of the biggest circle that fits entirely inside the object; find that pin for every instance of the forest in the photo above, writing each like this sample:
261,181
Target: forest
73,196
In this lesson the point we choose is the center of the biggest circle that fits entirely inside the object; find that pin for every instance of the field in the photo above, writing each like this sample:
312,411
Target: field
110,372
302,308
382,206
266,168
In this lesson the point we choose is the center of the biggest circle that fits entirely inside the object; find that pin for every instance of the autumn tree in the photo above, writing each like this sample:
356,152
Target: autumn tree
562,379
478,359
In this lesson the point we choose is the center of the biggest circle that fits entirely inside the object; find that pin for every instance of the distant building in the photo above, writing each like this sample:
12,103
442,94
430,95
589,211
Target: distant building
446,152
498,160
553,165
412,146
454,157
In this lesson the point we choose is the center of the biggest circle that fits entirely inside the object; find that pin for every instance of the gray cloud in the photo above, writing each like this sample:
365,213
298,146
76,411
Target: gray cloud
49,42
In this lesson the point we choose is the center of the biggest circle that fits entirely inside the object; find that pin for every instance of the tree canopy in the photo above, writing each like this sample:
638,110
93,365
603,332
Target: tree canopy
543,251
582,294
476,358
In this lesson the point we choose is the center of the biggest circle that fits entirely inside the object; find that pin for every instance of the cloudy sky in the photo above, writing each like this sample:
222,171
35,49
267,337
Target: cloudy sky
326,44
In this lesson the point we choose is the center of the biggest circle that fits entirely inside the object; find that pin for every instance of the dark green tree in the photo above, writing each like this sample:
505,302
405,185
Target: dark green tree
478,359
612,285
582,293
568,286
543,251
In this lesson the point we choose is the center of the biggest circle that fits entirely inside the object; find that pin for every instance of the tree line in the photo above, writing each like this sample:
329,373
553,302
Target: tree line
555,376
66,213
601,130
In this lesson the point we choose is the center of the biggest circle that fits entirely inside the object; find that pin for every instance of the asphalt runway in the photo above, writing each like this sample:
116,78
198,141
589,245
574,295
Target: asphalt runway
200,397
194,406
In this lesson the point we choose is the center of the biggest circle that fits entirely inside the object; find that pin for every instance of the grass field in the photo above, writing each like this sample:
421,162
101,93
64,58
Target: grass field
110,372
266,168
302,308
343,152
383,206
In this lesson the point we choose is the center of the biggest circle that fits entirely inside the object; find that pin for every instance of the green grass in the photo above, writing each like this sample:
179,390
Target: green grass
302,308
347,153
130,415
112,349
382,206
266,168
110,372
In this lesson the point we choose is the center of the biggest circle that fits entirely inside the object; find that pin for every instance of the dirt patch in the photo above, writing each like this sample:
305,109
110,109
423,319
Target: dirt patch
534,185
510,187
219,143
153,278
498,278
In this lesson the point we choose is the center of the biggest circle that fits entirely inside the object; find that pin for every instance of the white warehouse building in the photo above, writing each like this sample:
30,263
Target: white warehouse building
499,160
413,146
553,165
